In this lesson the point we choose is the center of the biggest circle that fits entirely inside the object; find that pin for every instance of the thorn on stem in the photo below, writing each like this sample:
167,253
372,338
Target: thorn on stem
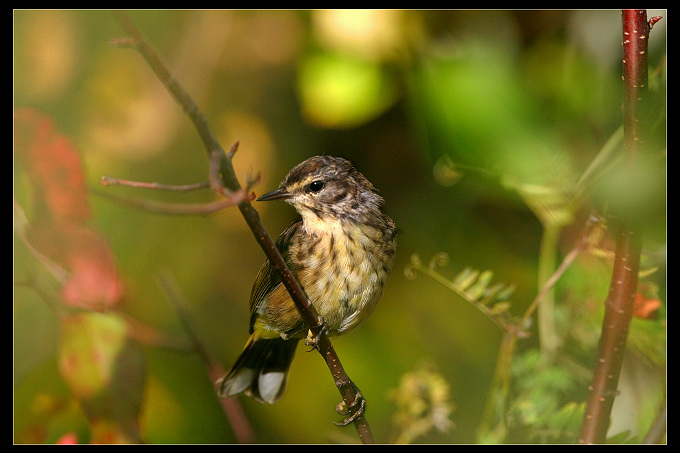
233,148
654,20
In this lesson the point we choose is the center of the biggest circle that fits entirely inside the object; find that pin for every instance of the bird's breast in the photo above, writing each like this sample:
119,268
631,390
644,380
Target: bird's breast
343,268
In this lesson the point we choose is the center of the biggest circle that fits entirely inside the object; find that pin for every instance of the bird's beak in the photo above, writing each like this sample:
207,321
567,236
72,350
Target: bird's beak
278,194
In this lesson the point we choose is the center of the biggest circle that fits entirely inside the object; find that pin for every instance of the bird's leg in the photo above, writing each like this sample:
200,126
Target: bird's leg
312,339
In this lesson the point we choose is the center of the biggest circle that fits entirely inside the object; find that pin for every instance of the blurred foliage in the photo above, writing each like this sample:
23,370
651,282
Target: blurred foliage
423,405
473,286
490,134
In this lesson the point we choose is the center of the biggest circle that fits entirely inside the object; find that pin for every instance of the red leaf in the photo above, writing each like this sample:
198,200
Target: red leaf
646,308
59,231
53,164
94,283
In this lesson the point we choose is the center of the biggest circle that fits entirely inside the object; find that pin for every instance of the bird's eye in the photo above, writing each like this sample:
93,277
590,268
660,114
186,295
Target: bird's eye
316,186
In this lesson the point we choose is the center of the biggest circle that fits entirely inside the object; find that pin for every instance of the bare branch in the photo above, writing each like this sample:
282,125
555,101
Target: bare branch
161,207
350,393
111,181
231,407
231,198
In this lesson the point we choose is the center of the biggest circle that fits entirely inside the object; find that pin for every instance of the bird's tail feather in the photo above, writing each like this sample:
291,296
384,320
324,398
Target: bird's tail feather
261,371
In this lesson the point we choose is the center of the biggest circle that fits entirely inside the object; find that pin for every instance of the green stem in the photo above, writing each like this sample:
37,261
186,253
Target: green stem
547,329
493,427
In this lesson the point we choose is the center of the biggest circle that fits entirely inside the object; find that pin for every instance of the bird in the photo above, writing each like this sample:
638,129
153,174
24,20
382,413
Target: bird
341,250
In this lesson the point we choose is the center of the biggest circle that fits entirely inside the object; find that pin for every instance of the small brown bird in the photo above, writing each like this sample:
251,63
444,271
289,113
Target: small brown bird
341,250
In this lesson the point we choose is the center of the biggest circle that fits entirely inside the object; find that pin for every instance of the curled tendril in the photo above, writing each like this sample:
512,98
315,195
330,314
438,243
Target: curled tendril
410,270
440,259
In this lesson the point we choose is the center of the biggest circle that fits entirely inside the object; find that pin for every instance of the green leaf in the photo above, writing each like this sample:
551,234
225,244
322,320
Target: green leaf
105,371
500,307
465,278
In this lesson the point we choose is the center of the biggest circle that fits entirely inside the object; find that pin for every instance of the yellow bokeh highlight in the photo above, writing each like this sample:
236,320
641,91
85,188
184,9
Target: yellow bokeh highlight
342,92
365,32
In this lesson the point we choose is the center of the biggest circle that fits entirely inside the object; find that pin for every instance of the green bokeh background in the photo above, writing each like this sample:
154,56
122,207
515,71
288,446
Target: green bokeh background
524,97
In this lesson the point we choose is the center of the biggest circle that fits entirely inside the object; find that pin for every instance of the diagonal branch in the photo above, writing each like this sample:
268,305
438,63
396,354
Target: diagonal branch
623,286
349,392
239,423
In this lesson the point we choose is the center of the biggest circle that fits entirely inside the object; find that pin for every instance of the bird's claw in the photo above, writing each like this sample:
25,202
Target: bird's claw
354,410
313,340
357,408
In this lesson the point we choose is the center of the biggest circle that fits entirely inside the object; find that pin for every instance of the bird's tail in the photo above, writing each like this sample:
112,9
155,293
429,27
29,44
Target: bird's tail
261,371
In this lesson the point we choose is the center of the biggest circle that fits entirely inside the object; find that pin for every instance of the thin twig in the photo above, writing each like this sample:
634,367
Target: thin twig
231,407
150,336
231,198
581,244
350,393
167,208
111,181
506,350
